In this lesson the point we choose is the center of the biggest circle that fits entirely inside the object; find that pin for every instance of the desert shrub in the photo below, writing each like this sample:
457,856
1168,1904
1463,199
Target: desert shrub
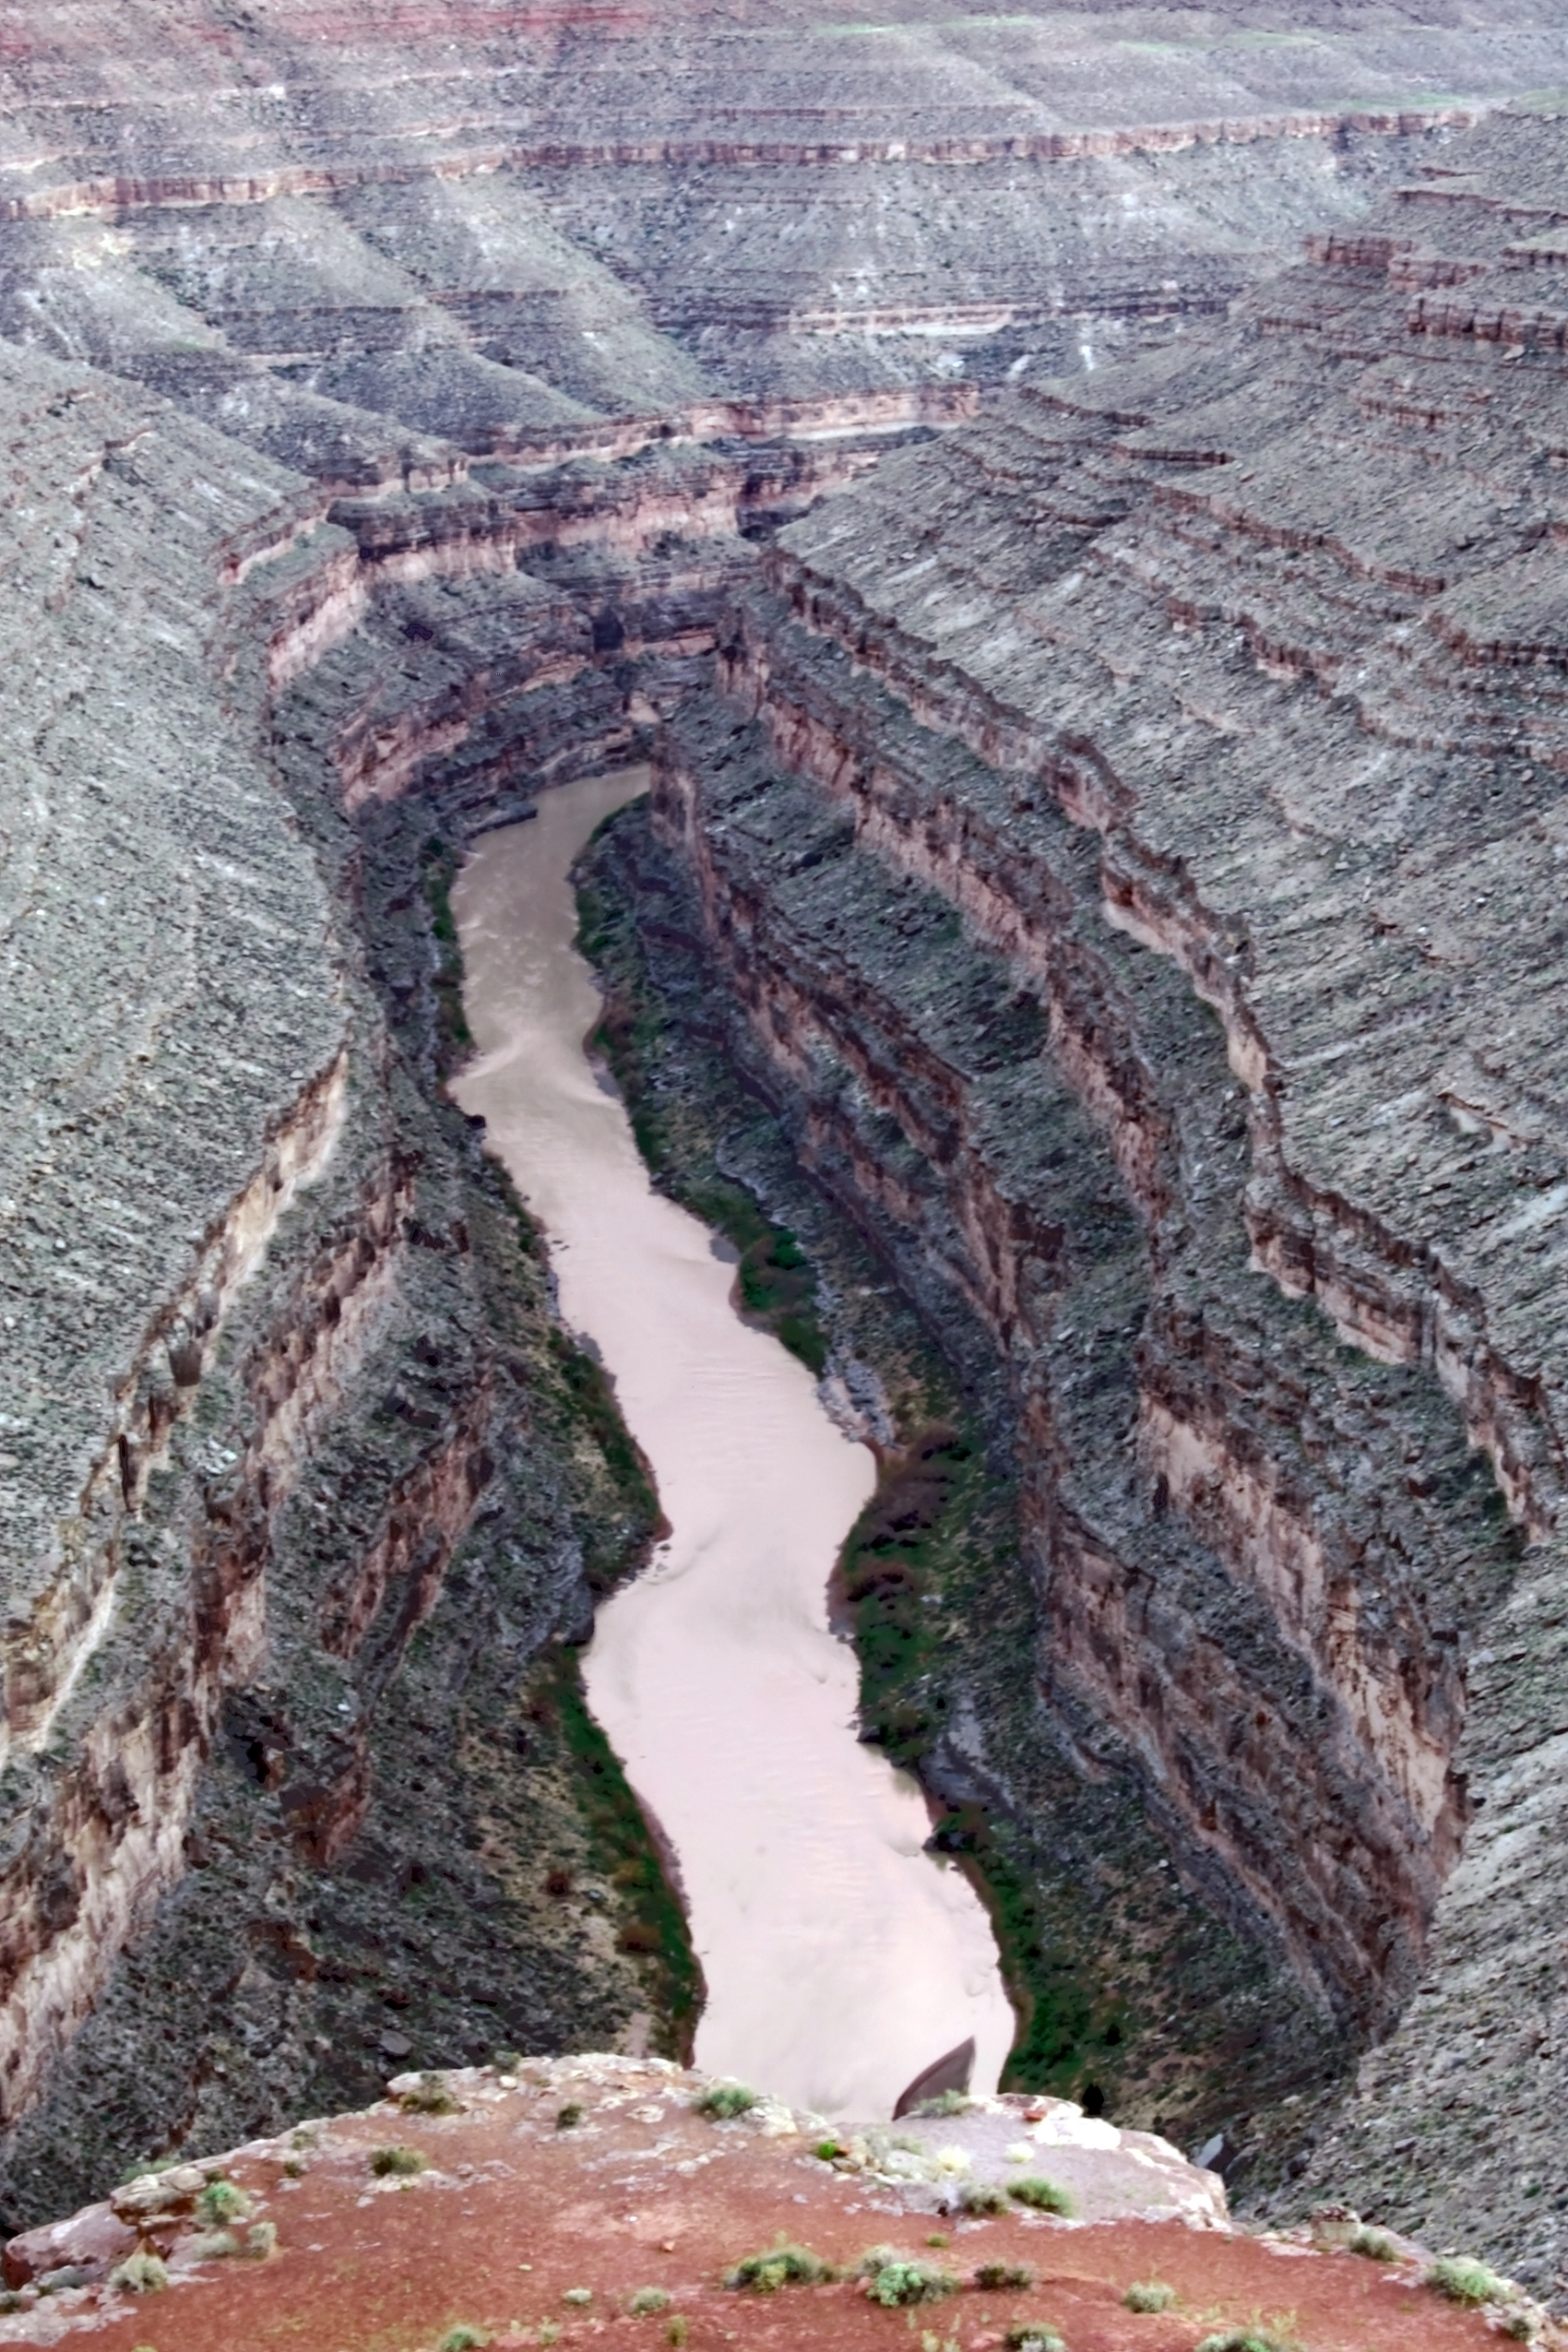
982,2197
896,2283
1015,2276
140,2274
463,2339
780,2267
579,2296
1150,2295
222,2202
947,2103
1033,2336
261,2239
827,2150
1246,2339
723,2100
1375,2244
211,2245
677,2332
569,2116
397,2163
1466,2282
647,2300
1041,2196
428,2095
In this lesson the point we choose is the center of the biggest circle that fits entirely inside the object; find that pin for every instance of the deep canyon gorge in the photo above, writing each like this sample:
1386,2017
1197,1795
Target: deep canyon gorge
1068,510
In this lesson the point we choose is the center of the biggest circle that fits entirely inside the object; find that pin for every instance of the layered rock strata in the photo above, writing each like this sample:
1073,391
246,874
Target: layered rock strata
1228,690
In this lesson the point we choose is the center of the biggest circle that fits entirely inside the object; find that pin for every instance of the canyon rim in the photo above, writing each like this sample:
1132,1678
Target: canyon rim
1069,509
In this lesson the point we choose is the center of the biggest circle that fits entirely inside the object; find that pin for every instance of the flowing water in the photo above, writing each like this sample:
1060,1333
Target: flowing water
840,1959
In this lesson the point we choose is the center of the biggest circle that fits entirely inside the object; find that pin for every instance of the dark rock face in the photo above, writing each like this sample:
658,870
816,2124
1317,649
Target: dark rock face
398,407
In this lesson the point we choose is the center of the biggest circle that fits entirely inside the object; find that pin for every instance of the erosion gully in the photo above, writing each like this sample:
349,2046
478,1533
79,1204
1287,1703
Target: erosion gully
842,1959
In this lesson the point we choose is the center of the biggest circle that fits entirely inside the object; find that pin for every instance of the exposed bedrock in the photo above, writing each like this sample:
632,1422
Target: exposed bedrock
1149,714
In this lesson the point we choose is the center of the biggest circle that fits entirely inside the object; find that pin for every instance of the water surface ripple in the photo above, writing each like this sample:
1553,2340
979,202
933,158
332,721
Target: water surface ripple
840,1959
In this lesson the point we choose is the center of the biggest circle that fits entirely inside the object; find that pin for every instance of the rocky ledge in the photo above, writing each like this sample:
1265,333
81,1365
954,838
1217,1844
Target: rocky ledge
570,2200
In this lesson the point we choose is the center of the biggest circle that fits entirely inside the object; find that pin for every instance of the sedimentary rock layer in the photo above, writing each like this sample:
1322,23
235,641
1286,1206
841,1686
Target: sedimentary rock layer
1233,685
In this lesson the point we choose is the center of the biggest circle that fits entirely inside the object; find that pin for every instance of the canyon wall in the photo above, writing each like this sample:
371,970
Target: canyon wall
400,409
1215,714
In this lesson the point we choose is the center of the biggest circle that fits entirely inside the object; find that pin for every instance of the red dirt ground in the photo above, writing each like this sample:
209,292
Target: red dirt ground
643,2192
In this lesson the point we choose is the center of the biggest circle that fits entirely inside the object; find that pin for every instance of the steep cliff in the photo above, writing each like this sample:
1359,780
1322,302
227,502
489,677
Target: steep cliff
1213,719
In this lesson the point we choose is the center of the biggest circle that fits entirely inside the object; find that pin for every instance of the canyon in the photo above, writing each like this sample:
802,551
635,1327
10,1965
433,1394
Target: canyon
1069,507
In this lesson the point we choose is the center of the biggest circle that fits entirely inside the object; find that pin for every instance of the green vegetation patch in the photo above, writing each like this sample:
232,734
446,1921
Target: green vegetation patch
621,1845
438,870
1463,2281
781,2265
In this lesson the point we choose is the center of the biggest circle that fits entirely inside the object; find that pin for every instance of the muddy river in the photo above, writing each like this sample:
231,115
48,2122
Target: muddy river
840,1959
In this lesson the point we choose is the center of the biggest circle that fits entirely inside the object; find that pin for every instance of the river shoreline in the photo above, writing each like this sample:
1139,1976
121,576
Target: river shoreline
841,1957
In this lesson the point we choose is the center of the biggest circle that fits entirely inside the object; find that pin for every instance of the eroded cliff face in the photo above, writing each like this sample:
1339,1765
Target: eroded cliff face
399,409
1233,689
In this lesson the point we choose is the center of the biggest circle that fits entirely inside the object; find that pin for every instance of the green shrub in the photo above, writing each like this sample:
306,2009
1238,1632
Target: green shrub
677,2332
463,2339
397,2163
569,2116
1246,2339
827,2150
947,2103
430,2095
1150,2295
140,2274
1013,2275
1043,2196
724,2101
1466,2282
1373,2243
780,2267
222,2202
896,2282
647,2299
982,2197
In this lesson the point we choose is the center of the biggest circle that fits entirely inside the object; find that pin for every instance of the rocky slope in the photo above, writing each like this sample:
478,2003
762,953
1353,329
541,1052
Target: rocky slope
1206,728
560,2203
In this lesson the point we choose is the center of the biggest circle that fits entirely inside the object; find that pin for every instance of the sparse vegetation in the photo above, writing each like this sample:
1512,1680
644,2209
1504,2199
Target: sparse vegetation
140,2274
1375,2244
428,2095
569,2116
676,2333
463,2339
1041,2196
1006,2276
982,2197
724,2101
1033,2336
647,2300
1150,2295
1463,2281
261,2239
397,2163
781,2265
579,2296
827,2149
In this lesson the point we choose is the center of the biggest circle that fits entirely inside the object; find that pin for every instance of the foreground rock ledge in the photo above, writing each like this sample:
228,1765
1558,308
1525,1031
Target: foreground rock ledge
591,2195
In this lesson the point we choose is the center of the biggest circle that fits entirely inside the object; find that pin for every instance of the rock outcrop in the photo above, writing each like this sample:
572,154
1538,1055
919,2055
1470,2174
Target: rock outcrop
602,2193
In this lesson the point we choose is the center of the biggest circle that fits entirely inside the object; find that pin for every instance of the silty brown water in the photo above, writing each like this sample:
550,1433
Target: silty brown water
840,1958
